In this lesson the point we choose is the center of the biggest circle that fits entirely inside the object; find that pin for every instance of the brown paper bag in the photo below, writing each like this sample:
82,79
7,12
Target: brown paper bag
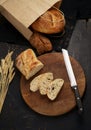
22,13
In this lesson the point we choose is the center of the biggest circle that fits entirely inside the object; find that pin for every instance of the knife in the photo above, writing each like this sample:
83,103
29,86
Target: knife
72,79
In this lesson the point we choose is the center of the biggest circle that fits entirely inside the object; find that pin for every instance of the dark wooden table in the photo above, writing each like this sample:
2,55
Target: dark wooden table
16,115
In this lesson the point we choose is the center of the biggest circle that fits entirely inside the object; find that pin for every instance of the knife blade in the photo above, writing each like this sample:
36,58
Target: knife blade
72,79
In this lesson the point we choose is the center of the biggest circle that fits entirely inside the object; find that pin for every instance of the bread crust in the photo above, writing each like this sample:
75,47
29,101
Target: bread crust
52,21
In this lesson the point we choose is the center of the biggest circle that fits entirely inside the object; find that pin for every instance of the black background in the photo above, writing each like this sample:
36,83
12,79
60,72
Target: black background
82,8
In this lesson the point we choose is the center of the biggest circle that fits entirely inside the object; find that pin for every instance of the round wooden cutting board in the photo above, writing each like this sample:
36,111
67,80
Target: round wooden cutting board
65,101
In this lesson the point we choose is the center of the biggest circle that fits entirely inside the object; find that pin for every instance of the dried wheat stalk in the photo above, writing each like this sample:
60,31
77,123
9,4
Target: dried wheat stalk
6,76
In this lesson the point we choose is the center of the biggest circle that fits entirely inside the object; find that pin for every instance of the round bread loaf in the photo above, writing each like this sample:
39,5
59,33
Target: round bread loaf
52,21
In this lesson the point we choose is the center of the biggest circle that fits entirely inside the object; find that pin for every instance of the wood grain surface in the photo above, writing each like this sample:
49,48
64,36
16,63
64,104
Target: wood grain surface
65,101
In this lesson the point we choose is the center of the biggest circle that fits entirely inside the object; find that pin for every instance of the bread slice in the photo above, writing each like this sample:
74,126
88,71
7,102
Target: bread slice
34,84
44,83
54,88
41,82
28,64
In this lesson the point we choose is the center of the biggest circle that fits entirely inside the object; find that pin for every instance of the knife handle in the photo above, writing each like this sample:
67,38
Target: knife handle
78,99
